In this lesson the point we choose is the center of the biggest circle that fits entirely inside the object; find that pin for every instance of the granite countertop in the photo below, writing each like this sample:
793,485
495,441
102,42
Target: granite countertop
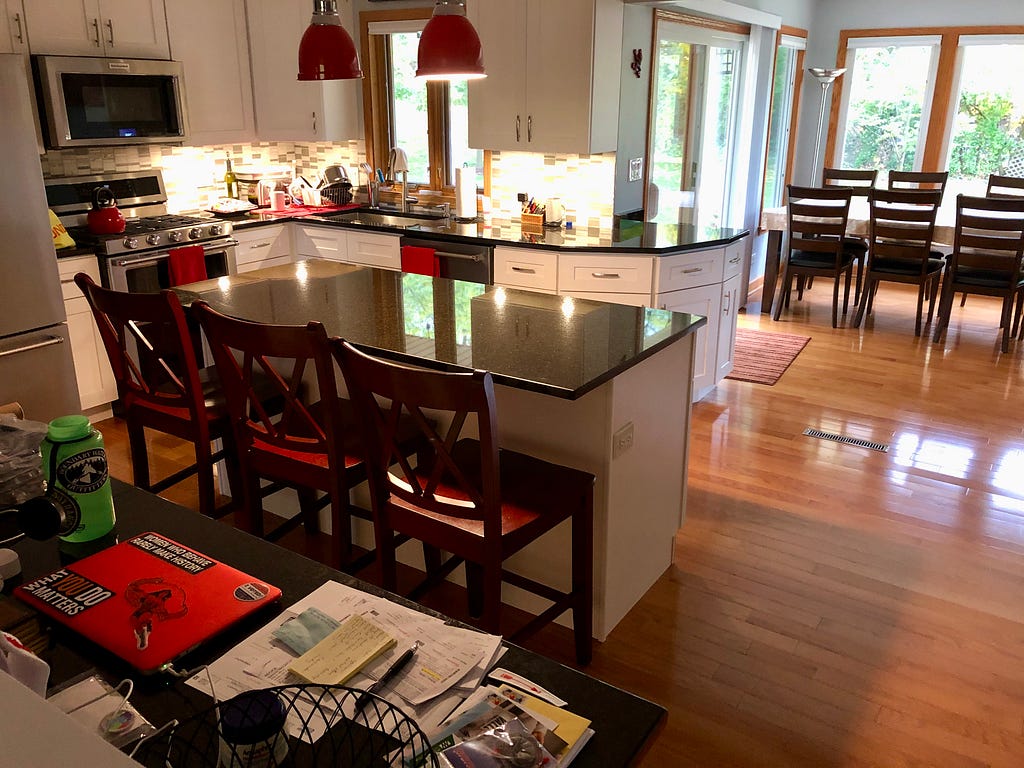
554,345
638,237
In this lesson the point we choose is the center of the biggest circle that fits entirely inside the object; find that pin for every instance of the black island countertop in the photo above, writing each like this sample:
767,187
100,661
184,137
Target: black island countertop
639,237
554,345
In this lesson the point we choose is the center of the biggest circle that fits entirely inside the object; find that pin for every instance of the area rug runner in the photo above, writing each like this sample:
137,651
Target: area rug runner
762,357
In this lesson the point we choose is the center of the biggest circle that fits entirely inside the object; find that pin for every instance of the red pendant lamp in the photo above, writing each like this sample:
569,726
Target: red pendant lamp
327,51
449,46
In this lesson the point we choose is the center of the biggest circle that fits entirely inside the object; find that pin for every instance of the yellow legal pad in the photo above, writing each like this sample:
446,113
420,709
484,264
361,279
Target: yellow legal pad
342,653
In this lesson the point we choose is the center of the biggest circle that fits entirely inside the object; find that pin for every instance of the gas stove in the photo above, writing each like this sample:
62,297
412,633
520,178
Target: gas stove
142,198
149,232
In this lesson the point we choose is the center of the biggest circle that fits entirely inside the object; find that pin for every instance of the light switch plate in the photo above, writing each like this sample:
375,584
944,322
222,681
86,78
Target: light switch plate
636,169
622,440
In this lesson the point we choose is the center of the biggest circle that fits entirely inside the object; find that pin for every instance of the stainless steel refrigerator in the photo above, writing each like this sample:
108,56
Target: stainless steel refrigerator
36,367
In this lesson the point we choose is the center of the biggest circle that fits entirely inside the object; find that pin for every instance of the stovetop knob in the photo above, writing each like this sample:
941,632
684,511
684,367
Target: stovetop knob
131,242
176,236
153,239
195,233
216,229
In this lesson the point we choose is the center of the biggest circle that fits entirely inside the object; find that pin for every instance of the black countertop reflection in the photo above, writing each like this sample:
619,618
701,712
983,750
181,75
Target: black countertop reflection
626,237
554,345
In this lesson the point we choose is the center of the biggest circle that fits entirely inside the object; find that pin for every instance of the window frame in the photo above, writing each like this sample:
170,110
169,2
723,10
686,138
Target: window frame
941,91
378,118
796,34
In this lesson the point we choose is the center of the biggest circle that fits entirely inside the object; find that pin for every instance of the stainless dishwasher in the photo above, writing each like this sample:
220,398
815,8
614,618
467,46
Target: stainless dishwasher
459,261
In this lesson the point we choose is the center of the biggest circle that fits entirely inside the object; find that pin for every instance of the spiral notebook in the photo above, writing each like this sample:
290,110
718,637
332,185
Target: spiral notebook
149,599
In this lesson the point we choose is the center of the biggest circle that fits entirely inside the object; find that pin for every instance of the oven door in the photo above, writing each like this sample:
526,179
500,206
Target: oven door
148,272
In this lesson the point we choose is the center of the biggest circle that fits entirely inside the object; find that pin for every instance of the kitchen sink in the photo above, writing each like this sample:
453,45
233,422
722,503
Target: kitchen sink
375,219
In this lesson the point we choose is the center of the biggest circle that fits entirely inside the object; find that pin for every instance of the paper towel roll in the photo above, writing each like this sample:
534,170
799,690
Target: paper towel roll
465,192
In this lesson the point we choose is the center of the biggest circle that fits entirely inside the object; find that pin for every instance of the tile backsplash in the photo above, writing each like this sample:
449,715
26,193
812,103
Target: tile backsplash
193,175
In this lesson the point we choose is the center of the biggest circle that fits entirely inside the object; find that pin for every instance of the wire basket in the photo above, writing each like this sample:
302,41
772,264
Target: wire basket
316,732
338,194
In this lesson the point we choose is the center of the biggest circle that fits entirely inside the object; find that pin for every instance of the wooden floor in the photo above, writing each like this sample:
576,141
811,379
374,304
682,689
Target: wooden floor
831,605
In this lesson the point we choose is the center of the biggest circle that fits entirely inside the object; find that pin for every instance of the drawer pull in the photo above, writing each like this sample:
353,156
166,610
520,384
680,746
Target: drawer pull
734,260
692,270
525,270
606,275
254,246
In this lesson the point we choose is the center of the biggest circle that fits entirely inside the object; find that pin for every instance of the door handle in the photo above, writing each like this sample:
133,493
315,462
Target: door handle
96,28
110,29
49,342
314,122
518,124
21,35
529,128
728,304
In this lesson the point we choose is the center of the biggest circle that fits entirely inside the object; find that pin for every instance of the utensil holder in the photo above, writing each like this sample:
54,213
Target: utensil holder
532,222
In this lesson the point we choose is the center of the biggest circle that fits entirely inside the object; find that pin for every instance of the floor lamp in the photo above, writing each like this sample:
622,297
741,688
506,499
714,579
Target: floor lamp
826,77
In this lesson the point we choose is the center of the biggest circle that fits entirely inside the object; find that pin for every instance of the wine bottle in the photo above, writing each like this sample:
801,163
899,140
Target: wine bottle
230,185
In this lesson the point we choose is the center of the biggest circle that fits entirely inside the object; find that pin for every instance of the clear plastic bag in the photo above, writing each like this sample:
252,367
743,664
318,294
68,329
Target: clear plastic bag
510,745
21,472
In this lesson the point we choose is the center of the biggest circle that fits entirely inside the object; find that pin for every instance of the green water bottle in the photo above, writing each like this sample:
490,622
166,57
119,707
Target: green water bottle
77,480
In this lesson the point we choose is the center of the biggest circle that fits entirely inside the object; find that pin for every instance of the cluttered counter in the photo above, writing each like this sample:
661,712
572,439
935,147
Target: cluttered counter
601,387
622,723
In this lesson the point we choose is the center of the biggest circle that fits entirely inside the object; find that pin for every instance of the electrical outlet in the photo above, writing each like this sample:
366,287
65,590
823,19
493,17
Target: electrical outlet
622,440
636,169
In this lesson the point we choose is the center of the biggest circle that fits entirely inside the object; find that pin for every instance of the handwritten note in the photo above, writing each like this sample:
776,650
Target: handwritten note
342,653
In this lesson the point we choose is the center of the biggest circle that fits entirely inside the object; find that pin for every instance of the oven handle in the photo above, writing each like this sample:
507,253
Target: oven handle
157,257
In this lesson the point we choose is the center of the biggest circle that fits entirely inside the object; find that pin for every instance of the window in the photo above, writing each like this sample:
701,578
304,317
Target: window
429,120
695,107
789,58
942,99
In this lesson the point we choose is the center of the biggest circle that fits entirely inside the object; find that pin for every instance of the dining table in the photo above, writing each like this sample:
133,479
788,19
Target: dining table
774,222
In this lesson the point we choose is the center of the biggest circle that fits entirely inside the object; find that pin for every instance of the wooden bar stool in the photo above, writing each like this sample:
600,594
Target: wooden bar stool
160,384
467,497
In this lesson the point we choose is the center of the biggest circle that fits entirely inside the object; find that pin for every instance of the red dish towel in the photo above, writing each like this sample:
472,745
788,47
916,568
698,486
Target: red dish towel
186,265
420,261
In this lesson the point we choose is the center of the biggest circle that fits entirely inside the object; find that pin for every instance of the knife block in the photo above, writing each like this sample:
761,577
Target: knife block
532,222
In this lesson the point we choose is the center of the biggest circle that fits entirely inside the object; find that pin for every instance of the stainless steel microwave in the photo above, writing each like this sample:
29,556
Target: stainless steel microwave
87,101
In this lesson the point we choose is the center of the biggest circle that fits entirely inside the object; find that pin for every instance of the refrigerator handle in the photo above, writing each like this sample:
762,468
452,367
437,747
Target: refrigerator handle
49,342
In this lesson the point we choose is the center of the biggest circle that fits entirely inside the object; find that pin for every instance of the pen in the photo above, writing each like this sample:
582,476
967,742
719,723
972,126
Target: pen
398,665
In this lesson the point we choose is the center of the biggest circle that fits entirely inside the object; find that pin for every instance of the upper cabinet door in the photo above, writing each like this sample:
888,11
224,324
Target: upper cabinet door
218,81
286,109
13,27
137,28
119,28
552,80
65,27
497,103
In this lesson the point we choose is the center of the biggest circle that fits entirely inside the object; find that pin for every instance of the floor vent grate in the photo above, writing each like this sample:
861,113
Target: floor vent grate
881,447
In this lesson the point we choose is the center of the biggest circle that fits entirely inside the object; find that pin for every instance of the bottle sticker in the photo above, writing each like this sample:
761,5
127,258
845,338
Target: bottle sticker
84,472
72,512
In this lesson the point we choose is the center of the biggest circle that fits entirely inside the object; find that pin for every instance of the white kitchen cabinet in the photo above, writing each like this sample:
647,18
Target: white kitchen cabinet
13,27
605,273
261,247
312,242
731,302
531,268
120,28
552,80
96,384
218,79
705,300
374,249
286,109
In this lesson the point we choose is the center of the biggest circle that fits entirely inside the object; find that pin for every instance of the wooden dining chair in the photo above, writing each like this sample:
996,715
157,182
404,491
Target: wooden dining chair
1004,186
988,247
160,386
467,496
900,237
817,218
861,182
310,445
919,180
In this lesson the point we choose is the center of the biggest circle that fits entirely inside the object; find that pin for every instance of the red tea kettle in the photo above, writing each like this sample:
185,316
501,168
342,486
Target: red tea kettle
104,218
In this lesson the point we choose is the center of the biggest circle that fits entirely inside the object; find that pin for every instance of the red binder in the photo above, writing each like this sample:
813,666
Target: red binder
186,264
149,599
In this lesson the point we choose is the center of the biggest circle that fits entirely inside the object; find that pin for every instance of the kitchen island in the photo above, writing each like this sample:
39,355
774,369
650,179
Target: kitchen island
602,387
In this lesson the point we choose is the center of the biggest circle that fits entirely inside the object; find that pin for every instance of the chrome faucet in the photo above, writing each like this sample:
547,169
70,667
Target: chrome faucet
372,186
